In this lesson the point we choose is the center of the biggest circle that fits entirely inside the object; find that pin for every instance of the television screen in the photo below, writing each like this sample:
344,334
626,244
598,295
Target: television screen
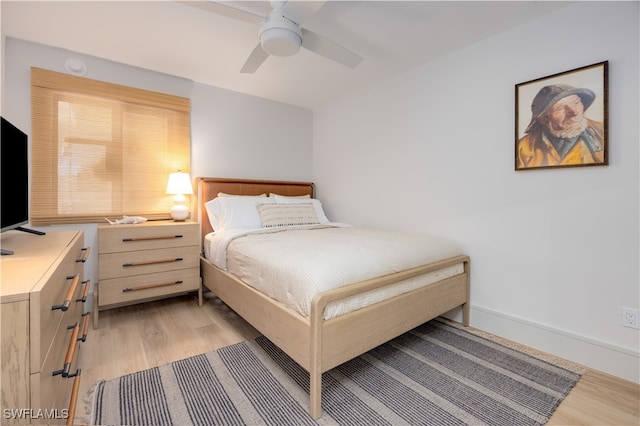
14,177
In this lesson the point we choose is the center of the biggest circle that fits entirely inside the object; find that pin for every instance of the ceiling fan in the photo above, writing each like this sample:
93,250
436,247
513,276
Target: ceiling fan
280,31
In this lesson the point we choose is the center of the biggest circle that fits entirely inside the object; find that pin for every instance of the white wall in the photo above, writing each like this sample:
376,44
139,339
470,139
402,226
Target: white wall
237,135
554,253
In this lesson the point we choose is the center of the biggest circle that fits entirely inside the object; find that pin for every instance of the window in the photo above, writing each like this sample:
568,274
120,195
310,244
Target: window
103,150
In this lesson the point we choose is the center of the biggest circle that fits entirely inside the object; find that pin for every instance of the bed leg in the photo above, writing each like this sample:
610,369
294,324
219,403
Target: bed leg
315,394
315,368
465,307
465,314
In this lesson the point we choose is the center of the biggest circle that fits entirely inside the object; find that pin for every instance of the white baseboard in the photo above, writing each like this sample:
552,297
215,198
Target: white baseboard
611,359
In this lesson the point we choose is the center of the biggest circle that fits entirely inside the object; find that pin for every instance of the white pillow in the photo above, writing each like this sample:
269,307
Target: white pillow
274,215
224,194
280,197
210,207
235,212
317,205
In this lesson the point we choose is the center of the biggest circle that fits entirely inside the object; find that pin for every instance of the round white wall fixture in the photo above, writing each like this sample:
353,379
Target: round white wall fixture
75,66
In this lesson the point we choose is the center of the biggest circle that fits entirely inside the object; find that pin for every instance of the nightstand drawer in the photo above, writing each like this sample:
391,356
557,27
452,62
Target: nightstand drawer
115,265
146,236
122,290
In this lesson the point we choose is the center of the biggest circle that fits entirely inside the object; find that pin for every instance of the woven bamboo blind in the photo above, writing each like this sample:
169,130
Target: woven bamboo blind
103,150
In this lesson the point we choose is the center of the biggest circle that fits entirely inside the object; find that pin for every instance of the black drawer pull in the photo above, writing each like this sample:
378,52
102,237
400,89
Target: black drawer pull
72,289
74,399
152,262
85,255
85,293
85,327
71,352
162,237
146,287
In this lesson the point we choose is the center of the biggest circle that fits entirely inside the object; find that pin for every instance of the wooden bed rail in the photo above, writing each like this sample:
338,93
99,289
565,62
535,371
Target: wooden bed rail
321,360
321,300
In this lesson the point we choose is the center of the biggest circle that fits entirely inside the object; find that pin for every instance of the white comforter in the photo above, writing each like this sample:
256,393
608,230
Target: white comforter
293,264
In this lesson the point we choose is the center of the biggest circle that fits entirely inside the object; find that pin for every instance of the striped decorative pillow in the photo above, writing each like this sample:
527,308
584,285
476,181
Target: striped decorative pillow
273,215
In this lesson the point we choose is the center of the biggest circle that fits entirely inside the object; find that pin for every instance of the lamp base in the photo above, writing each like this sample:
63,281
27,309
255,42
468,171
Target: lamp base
179,213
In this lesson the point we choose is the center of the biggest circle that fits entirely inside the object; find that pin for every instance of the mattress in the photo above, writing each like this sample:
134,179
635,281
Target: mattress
293,264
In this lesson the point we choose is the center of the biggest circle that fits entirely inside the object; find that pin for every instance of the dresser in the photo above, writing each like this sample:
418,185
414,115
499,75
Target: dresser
146,261
43,325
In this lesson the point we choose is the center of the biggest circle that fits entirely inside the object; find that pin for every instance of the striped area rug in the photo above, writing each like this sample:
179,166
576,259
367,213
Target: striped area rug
436,374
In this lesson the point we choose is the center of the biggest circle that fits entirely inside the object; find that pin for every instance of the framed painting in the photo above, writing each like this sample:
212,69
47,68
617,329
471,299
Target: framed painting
562,119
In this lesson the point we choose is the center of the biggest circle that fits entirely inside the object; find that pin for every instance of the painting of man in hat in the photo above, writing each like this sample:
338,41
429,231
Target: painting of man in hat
559,132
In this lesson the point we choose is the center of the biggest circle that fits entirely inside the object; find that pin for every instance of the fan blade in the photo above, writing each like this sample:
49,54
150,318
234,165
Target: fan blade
224,9
329,49
255,59
299,10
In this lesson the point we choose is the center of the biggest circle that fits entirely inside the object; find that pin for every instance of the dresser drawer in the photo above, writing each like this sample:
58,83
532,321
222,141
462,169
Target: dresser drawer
65,282
115,265
128,289
55,389
145,236
51,319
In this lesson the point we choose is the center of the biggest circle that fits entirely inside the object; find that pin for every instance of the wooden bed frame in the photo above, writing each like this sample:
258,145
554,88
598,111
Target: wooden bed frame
316,344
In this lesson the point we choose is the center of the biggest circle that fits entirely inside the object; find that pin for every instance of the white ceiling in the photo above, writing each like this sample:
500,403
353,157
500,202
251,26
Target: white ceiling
174,38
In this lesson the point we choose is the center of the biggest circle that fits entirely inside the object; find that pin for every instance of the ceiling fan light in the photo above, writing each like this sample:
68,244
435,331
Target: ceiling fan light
280,41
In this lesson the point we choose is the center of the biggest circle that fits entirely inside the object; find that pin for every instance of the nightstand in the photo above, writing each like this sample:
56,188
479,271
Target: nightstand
146,261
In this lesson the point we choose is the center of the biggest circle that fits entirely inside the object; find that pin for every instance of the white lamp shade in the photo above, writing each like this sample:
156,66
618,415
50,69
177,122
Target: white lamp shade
179,184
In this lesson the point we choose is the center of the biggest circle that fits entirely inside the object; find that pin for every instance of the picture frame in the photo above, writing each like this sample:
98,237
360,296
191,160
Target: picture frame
562,120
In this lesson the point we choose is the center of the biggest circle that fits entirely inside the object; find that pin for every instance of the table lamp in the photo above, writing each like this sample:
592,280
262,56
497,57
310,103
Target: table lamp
179,184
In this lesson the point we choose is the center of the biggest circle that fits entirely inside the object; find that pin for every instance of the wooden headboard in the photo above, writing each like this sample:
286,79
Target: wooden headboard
209,187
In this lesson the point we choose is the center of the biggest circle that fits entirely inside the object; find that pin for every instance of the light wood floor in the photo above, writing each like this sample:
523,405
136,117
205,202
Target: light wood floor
142,336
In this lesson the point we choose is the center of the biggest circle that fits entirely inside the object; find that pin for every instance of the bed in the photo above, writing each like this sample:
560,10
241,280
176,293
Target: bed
318,337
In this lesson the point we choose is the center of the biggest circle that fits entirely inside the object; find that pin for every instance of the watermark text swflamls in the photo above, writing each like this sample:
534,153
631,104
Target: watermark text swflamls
35,413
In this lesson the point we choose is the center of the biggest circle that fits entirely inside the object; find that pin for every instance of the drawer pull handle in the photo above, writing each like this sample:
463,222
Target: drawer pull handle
85,293
85,327
74,399
146,287
85,255
71,352
67,299
161,237
152,262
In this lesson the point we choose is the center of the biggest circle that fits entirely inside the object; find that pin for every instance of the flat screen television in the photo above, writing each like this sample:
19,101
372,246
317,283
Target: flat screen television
14,177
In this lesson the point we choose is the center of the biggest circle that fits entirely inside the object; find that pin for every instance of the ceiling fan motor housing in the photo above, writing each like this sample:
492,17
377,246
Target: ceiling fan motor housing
280,36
